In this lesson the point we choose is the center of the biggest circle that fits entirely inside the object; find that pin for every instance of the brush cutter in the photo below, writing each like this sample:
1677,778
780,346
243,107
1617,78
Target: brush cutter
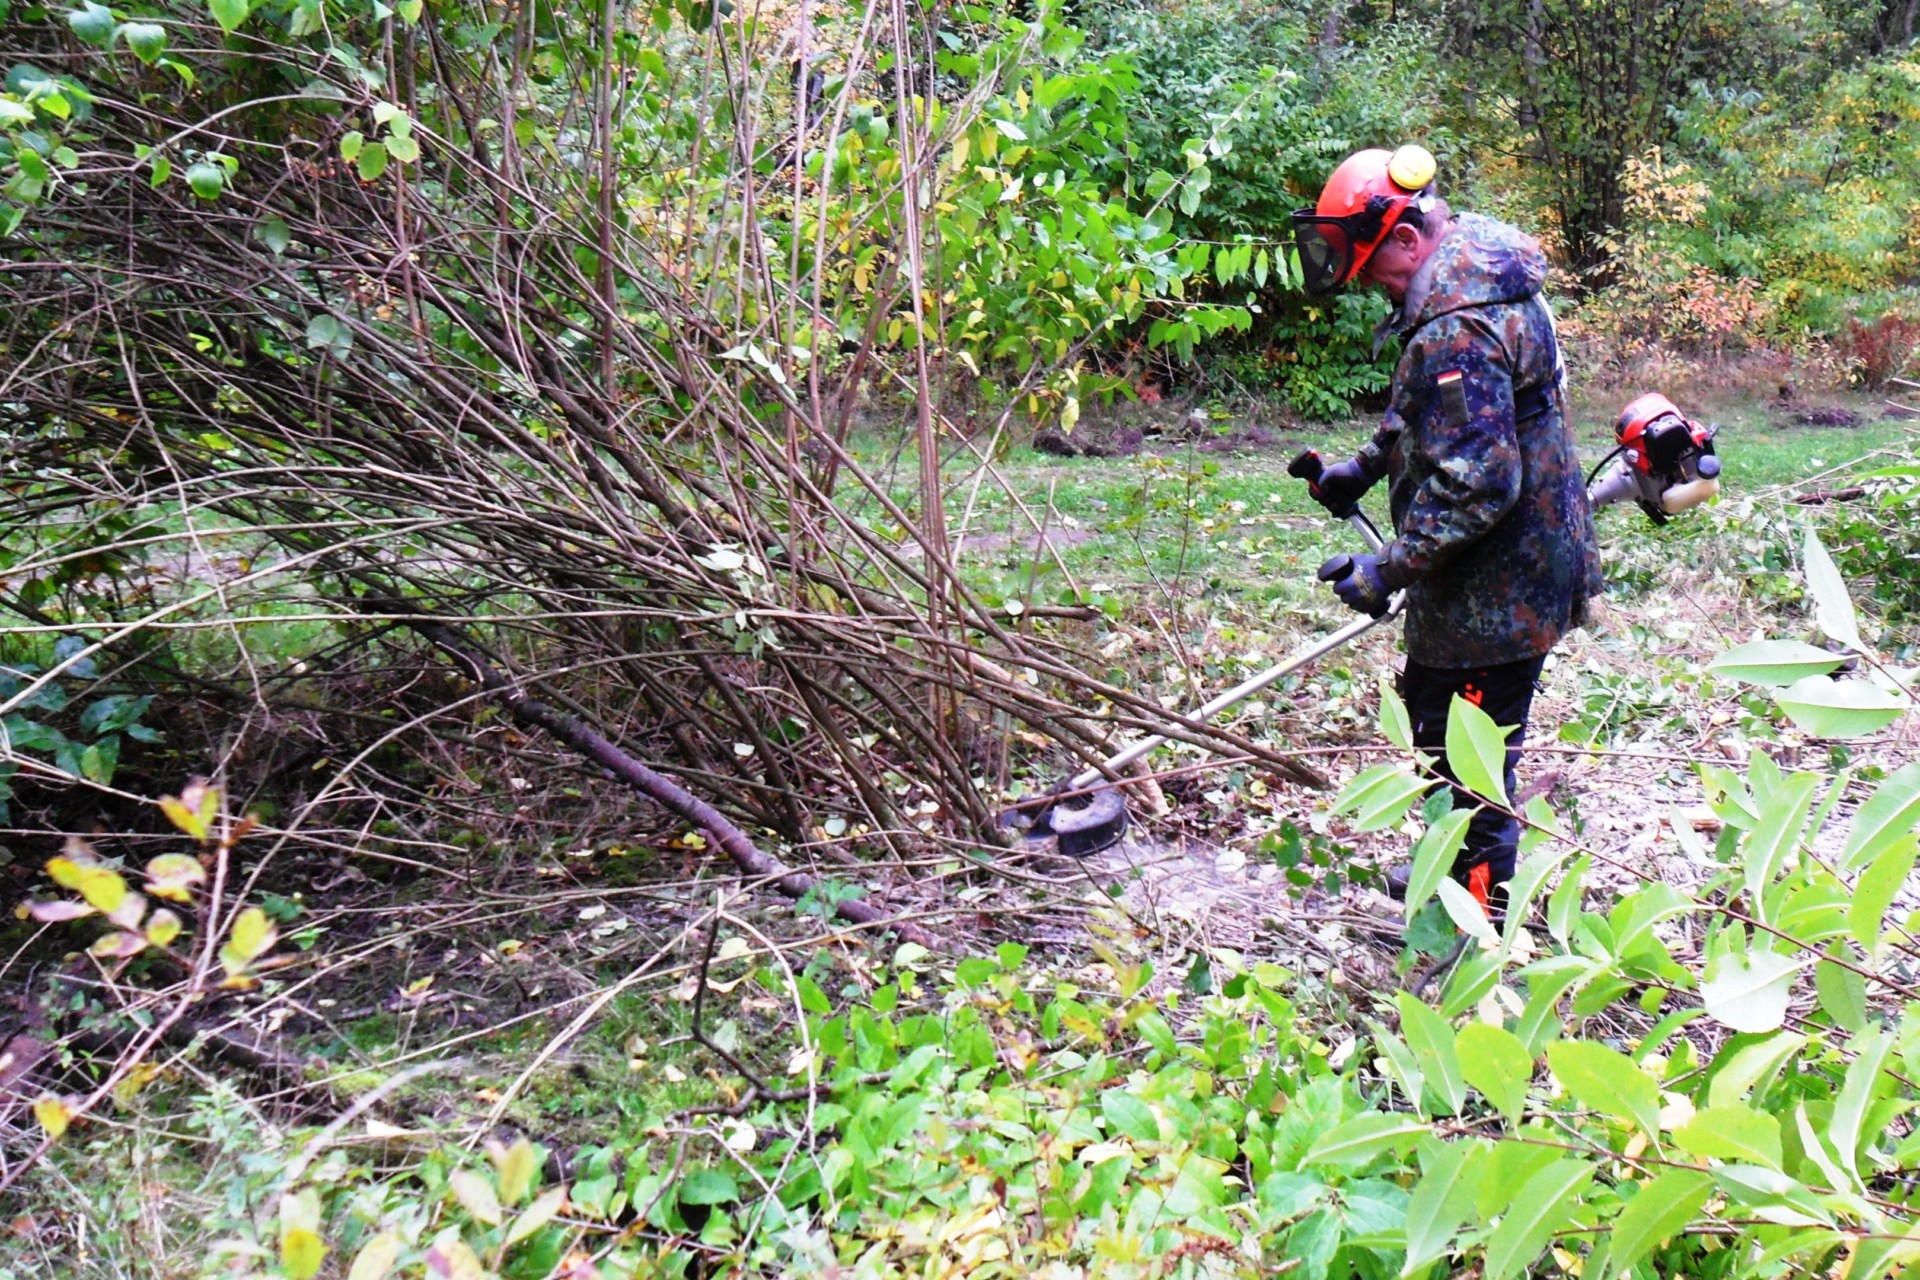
1086,813
1665,465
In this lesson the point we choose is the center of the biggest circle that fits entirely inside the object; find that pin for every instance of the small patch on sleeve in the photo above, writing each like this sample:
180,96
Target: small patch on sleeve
1453,397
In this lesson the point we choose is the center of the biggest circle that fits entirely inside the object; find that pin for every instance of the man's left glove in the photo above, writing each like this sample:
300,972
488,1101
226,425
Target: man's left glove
1357,581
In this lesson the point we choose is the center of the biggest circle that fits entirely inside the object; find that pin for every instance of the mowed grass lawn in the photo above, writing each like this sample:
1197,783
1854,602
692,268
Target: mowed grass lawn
1178,519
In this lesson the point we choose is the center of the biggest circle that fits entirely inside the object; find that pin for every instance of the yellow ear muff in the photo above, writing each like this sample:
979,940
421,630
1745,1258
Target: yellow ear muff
1412,167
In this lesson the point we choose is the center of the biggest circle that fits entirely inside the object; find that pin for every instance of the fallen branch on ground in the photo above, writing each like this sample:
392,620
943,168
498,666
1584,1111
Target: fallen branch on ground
662,790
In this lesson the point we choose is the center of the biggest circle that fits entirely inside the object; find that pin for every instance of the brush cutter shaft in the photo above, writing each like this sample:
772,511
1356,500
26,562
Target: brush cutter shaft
1240,693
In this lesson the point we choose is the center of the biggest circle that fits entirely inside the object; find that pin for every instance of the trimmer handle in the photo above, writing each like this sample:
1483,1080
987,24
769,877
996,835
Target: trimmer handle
1308,466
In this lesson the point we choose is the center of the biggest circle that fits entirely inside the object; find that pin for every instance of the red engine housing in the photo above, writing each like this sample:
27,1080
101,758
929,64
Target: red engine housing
1656,437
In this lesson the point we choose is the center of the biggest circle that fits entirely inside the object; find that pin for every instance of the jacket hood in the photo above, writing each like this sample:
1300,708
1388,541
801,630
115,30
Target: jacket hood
1479,262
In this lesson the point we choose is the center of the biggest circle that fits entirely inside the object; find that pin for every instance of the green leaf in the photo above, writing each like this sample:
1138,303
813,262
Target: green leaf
148,40
1379,796
1607,1081
1432,1042
1466,913
206,178
274,234
1888,815
1476,751
93,23
1443,1198
372,161
1823,708
327,332
1543,1206
1129,1117
1879,883
709,1186
1395,725
1832,606
536,1215
1732,1131
1361,1139
1433,857
1775,663
1495,1062
1856,1094
1747,1065
1655,1216
1526,882
1842,992
403,148
1772,1195
229,13
1750,994
1765,849
350,144
301,1253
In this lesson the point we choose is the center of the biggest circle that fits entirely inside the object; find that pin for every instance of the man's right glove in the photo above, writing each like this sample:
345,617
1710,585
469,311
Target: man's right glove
1357,581
1341,486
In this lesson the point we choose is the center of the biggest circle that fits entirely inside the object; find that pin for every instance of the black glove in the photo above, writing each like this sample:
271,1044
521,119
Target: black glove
1357,581
1341,486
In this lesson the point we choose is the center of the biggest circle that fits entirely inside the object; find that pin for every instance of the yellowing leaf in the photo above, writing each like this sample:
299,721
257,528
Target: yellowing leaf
52,1114
376,1257
476,1195
171,875
103,888
537,1215
66,872
162,927
301,1253
194,810
117,946
515,1167
252,934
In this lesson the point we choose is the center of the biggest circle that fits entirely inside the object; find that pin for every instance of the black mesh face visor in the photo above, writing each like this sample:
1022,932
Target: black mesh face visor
1329,245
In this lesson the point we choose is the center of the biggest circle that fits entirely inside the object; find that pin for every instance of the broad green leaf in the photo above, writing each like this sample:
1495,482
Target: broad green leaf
274,234
1655,1216
147,40
1832,606
1764,851
1394,724
1875,1257
1129,1117
1443,1198
1544,1205
1476,751
207,179
1432,1042
1564,904
327,332
1466,914
1823,708
1607,1081
1361,1139
1732,1131
1433,856
1526,882
1842,991
1874,894
1856,1094
1772,1195
229,13
1547,981
93,23
1750,994
1774,663
350,143
709,1186
406,150
1400,1063
476,1196
1746,1066
372,161
1888,815
1495,1062
1512,1165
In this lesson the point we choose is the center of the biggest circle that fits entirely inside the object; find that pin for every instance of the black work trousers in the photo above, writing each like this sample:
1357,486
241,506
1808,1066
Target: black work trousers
1504,692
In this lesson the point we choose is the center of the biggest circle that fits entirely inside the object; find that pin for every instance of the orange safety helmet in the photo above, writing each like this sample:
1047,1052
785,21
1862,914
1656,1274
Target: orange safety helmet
1360,203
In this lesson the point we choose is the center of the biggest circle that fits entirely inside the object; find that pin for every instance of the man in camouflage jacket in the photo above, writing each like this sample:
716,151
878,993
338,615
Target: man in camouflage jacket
1494,540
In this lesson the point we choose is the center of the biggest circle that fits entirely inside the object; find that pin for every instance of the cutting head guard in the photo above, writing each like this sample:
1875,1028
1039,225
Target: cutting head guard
1360,204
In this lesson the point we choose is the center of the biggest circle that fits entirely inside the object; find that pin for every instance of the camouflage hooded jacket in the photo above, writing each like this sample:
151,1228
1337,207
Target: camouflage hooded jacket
1494,538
